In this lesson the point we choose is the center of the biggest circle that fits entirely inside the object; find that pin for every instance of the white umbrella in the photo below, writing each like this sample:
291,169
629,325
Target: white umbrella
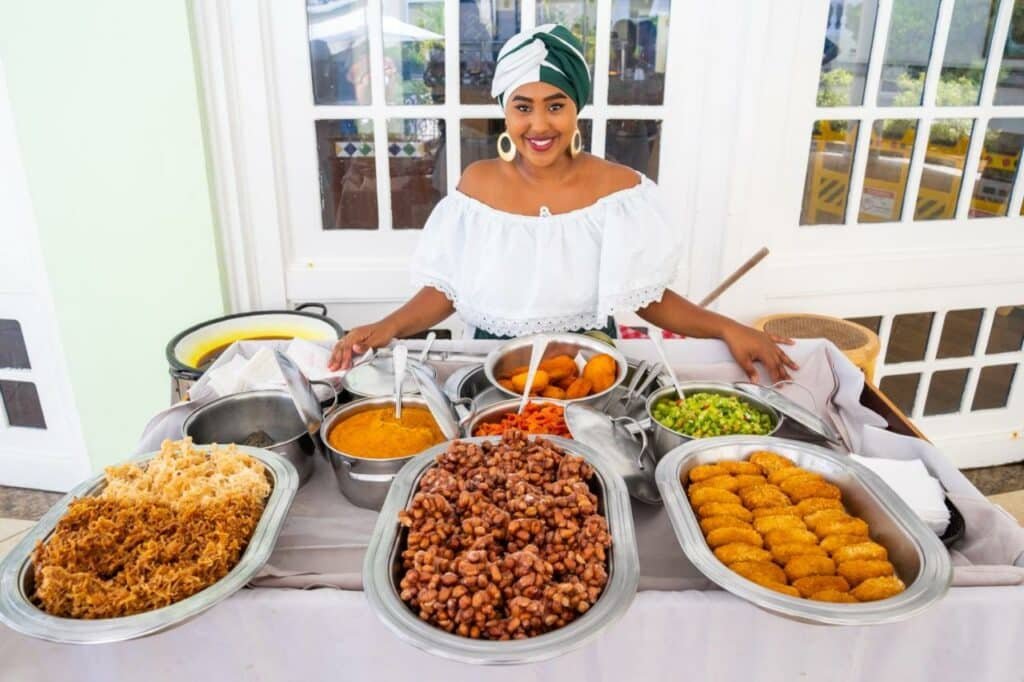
340,31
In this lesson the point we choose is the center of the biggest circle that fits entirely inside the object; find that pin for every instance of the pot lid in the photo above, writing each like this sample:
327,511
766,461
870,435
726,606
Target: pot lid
306,402
792,410
441,408
629,458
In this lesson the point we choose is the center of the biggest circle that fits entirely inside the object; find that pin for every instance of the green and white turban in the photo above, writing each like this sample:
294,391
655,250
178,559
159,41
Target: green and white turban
547,54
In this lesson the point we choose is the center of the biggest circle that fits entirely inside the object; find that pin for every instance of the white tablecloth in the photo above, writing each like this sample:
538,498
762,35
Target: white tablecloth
283,635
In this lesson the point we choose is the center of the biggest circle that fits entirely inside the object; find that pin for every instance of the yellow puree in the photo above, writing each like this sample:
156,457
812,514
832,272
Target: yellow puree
376,434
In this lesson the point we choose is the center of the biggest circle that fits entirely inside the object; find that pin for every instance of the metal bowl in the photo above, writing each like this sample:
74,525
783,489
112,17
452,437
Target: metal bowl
382,571
376,379
665,439
918,555
516,353
495,411
17,576
237,417
365,482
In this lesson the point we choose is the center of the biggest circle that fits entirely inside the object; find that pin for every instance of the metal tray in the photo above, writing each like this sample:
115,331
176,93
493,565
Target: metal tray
382,571
472,382
17,582
916,552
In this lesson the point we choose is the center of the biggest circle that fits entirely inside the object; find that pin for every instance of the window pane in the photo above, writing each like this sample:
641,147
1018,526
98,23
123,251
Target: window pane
848,34
638,51
901,389
414,53
994,386
959,333
945,392
909,337
873,323
885,177
635,144
348,175
479,138
483,29
829,163
943,170
1007,335
579,16
13,353
963,64
339,51
417,166
1010,86
1000,157
21,402
907,50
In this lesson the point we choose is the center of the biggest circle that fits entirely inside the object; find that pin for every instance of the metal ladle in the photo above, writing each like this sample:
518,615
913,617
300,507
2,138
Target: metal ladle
400,358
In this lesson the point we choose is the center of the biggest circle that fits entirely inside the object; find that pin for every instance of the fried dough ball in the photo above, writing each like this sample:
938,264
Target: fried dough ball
702,472
702,496
787,535
748,481
579,388
735,552
715,522
553,392
560,367
813,584
759,496
833,542
808,565
725,482
813,504
801,487
540,381
565,383
771,461
859,570
783,588
760,572
767,524
507,385
850,526
815,519
785,552
602,370
738,467
883,587
834,596
724,509
860,551
779,475
725,536
786,510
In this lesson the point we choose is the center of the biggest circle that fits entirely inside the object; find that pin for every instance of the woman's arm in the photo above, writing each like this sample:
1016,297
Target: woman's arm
427,308
747,345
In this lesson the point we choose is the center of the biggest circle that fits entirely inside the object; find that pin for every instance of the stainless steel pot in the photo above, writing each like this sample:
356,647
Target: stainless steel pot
266,419
496,411
376,379
365,482
516,353
665,439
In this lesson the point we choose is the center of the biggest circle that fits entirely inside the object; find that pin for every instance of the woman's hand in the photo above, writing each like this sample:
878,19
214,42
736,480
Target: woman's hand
749,345
359,340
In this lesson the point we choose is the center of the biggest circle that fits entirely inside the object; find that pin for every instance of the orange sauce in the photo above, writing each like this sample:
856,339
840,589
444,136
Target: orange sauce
376,434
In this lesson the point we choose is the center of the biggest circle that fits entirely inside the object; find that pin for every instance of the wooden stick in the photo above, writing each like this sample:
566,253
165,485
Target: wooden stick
731,279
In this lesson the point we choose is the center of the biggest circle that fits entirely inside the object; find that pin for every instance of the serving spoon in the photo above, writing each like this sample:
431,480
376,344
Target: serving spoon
540,343
400,360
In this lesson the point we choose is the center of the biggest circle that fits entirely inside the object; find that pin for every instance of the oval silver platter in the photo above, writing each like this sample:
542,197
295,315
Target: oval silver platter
918,555
17,577
382,571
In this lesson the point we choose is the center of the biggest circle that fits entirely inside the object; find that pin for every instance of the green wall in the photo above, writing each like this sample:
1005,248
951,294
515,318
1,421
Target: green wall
107,112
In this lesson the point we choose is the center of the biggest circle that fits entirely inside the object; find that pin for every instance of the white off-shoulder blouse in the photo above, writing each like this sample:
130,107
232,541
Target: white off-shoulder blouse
513,275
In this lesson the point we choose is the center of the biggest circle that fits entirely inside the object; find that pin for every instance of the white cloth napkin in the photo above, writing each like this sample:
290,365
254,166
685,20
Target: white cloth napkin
911,481
257,371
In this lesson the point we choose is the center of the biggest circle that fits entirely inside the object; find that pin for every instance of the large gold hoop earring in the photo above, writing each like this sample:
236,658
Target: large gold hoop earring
577,144
506,154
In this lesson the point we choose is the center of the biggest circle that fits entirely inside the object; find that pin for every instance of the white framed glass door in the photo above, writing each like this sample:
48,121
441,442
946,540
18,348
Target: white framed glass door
892,196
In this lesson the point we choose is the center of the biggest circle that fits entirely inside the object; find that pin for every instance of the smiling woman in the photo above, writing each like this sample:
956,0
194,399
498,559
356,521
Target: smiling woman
550,238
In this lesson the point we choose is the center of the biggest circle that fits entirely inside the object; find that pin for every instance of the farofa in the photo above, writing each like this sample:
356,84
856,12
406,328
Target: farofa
153,536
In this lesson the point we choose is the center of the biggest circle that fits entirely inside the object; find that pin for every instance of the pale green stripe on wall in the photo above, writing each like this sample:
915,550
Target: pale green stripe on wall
107,113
